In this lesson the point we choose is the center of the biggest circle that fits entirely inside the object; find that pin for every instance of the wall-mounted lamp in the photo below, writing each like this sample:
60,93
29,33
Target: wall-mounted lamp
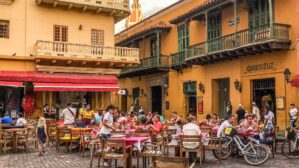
238,86
80,27
287,75
201,87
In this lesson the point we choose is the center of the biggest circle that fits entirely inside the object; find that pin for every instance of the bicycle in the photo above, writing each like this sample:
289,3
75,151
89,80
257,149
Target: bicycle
290,148
253,152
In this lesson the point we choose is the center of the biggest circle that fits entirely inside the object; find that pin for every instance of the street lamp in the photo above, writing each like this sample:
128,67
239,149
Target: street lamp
238,86
287,74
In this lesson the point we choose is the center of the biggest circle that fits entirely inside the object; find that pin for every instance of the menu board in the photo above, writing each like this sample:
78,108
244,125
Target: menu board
280,103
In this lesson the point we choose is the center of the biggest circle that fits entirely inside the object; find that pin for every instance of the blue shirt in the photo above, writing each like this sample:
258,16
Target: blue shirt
6,120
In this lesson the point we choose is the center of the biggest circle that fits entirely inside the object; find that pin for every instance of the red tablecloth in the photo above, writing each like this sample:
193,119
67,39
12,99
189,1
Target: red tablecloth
60,122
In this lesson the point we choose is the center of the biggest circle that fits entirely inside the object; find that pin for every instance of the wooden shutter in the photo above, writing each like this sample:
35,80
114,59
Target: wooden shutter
60,33
4,29
97,37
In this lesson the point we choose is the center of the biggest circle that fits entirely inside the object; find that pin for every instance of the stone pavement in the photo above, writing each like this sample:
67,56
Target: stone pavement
73,160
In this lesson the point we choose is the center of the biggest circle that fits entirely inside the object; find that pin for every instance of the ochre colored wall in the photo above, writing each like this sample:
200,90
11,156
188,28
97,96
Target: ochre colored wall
30,22
284,12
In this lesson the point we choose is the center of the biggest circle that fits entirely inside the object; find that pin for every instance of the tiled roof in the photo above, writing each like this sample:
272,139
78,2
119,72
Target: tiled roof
159,26
205,5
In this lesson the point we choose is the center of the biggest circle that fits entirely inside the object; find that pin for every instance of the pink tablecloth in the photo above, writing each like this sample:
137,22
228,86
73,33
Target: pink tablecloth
215,128
136,141
60,122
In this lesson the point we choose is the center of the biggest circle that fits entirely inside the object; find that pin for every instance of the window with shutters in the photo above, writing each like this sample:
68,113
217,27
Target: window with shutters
60,33
183,37
214,25
258,13
60,36
4,29
189,87
97,37
154,47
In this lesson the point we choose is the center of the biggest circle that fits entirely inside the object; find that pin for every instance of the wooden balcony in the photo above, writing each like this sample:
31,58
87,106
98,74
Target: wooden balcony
81,55
251,41
120,9
148,66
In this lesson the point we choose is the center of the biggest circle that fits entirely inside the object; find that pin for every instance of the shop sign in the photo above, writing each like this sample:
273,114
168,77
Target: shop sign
280,103
260,67
123,92
200,104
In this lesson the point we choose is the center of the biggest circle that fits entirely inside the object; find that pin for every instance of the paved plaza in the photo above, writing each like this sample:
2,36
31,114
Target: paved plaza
73,160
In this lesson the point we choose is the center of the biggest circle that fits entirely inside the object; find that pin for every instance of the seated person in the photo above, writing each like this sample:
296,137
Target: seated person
6,119
226,124
21,121
191,128
143,126
130,122
248,124
213,121
175,118
157,126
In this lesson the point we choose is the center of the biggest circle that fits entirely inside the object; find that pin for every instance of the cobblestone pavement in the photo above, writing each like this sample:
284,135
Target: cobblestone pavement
73,160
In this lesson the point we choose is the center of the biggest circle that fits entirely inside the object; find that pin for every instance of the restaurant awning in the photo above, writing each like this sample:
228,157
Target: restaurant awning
64,87
62,82
11,84
295,81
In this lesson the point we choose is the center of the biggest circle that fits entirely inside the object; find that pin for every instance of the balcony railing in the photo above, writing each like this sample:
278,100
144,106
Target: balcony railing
276,32
66,50
150,62
178,58
119,8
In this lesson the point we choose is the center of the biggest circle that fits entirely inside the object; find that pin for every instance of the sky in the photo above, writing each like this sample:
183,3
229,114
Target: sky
148,7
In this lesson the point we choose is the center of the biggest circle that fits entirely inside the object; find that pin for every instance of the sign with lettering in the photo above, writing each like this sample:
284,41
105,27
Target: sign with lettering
260,67
280,103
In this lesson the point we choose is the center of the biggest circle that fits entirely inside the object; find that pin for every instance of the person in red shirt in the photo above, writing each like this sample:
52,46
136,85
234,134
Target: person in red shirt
157,126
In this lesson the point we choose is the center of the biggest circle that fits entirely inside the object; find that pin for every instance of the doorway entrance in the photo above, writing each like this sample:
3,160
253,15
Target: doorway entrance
192,104
264,95
221,92
124,102
157,99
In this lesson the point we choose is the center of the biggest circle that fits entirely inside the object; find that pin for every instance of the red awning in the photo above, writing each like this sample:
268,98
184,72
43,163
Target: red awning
62,82
295,82
19,76
63,87
11,84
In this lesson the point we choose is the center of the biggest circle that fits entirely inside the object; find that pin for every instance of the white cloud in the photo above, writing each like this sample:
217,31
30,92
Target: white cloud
148,8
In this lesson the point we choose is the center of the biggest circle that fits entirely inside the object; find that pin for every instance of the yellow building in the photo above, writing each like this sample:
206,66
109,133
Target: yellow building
197,56
64,48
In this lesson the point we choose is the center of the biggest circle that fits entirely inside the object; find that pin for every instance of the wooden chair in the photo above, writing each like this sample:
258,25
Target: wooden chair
22,139
214,143
167,137
118,133
51,131
142,133
150,150
184,139
96,148
66,135
32,140
111,148
171,162
85,137
6,139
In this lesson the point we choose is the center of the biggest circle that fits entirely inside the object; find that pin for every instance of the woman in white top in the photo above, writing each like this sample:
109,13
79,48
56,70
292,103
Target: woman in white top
21,121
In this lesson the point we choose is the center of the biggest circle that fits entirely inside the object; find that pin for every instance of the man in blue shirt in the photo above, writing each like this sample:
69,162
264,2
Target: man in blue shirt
6,119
